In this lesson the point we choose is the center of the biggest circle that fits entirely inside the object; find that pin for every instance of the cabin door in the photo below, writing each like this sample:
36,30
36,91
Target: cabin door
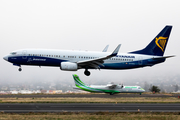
24,54
140,62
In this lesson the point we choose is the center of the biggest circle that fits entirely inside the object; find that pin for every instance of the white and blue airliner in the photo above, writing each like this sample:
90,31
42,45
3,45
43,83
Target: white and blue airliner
70,60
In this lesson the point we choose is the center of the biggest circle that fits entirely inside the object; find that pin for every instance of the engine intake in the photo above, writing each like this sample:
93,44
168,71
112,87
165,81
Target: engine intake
68,66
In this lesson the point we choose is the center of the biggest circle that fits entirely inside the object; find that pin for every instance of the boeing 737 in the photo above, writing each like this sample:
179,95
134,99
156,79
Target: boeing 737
73,60
109,88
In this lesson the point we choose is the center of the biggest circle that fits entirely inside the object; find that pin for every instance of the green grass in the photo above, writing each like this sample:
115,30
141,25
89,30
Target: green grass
92,100
90,116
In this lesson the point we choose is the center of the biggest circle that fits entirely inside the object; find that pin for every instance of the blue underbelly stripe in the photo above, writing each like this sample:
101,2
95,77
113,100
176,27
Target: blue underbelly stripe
45,61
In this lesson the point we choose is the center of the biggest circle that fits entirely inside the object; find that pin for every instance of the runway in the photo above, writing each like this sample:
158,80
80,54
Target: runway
88,107
90,95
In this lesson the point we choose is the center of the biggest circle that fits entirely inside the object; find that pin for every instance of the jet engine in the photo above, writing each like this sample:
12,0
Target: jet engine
68,66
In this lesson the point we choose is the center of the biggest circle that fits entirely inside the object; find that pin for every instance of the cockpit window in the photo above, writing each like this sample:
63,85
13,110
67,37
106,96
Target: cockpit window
13,53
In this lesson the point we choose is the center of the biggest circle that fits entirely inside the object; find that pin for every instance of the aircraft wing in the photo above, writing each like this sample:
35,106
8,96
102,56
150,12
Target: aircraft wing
94,63
111,86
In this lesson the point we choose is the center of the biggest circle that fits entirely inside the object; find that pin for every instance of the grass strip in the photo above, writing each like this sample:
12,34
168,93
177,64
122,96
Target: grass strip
92,100
91,116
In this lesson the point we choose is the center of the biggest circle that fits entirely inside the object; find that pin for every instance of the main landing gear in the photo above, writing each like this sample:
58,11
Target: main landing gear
111,93
86,72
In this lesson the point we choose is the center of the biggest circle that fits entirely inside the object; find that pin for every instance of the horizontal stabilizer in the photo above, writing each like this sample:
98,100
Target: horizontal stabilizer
163,57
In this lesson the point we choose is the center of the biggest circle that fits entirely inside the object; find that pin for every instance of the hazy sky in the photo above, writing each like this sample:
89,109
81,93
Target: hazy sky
87,25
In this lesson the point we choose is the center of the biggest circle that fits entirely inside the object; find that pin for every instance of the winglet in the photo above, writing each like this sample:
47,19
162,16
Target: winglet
105,49
115,52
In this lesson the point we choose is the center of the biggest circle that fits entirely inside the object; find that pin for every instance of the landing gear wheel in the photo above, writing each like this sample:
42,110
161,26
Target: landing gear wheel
111,93
20,69
87,73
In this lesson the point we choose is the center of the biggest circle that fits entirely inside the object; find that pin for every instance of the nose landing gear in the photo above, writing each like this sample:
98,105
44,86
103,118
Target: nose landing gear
86,72
20,69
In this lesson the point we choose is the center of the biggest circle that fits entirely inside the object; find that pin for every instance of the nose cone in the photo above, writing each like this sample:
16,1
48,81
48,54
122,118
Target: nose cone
5,58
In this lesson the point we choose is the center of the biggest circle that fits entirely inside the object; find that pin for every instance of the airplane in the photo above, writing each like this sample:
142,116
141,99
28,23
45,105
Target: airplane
71,60
109,88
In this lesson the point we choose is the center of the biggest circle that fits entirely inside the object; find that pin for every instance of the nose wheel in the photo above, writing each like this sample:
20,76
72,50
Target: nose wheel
87,73
20,69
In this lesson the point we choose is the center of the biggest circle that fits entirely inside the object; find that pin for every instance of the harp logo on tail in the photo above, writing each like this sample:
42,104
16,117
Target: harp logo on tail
161,42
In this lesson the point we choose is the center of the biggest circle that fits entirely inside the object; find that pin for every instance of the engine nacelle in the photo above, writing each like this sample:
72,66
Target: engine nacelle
69,66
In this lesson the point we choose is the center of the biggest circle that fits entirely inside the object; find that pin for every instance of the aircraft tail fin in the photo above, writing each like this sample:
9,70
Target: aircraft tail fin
158,45
77,81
